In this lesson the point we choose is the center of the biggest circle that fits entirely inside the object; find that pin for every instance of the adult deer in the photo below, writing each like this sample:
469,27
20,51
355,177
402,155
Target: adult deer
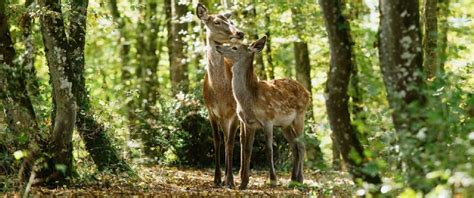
218,88
265,104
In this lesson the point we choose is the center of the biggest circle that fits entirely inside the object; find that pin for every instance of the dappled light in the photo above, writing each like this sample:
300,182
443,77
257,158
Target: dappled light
218,98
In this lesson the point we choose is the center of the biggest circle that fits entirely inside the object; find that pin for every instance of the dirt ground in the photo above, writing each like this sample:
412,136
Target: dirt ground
189,182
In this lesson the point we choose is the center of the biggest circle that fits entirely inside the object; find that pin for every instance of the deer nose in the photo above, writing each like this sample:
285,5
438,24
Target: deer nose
240,35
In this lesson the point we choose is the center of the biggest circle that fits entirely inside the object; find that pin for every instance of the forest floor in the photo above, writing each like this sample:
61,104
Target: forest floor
191,182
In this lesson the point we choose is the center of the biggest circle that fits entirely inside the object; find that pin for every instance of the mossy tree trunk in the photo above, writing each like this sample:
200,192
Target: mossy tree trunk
401,62
56,48
443,26
97,143
430,38
17,106
28,63
337,106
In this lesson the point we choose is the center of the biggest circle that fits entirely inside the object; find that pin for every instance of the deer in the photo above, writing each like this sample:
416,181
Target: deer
217,88
264,104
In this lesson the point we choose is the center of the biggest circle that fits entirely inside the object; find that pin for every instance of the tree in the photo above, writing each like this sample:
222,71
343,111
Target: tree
149,56
251,12
29,55
56,48
65,58
337,100
401,62
443,13
147,46
302,62
126,67
19,111
355,91
430,39
268,51
176,45
98,144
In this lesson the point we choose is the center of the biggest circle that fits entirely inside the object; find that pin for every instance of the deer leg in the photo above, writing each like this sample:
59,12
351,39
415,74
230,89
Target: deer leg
295,153
300,147
301,151
243,141
217,152
247,150
229,147
289,135
268,128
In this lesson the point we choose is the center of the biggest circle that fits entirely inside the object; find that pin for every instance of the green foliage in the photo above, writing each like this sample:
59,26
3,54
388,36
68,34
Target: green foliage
178,132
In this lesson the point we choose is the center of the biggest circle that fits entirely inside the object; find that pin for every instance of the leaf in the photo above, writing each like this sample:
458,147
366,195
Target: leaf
409,193
371,169
22,138
61,168
19,154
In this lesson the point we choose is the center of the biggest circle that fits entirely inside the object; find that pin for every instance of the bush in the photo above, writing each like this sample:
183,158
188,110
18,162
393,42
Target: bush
180,134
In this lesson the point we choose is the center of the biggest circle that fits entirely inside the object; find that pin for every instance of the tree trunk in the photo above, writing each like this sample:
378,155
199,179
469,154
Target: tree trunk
28,63
401,59
252,29
355,92
97,143
356,96
126,67
150,84
150,59
336,155
56,48
270,67
401,63
430,39
301,52
338,30
19,112
176,45
302,64
148,78
443,6
122,40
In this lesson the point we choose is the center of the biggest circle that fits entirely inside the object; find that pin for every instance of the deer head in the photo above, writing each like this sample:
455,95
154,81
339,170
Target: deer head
242,52
219,27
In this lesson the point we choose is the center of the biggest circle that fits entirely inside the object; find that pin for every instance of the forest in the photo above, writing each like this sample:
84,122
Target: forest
324,98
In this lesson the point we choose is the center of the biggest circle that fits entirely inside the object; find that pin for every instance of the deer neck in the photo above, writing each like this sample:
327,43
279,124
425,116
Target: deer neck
244,84
218,71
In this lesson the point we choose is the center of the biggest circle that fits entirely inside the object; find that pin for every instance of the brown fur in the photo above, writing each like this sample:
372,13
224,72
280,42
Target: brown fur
265,104
281,96
217,89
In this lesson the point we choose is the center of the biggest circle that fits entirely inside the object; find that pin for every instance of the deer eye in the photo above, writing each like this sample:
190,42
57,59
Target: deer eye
234,48
217,22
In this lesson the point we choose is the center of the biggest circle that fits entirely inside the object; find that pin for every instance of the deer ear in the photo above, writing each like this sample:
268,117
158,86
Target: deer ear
201,12
227,15
258,45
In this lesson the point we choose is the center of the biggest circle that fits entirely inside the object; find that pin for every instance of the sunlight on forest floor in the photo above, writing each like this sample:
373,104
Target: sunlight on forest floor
179,182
